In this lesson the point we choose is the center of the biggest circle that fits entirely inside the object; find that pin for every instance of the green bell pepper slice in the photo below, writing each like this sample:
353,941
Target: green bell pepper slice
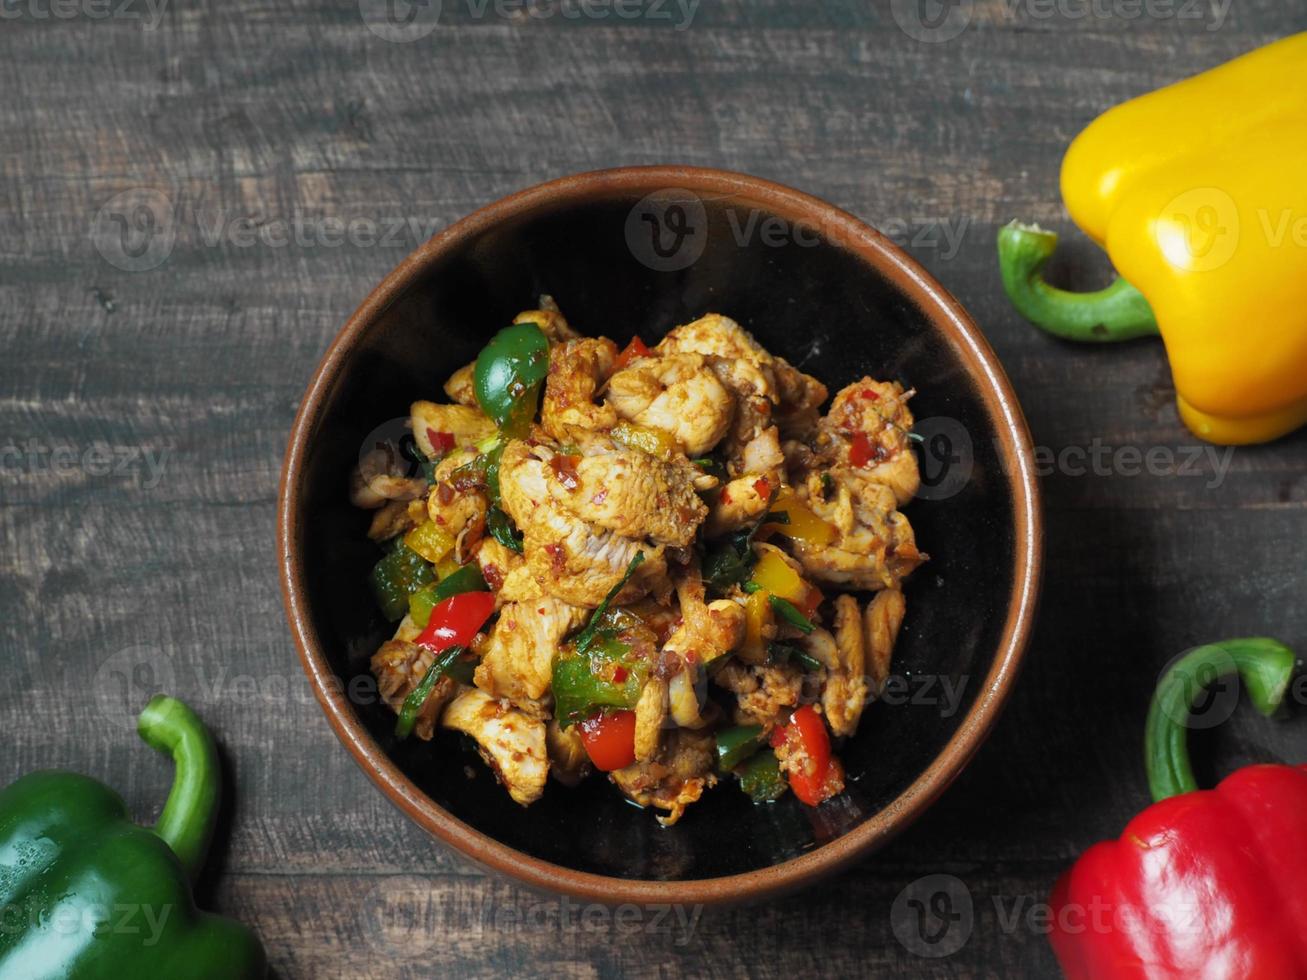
734,745
397,576
508,374
761,778
87,894
580,687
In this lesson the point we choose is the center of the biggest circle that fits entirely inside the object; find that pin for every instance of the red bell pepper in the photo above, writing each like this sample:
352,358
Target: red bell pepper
1204,883
609,739
818,775
457,620
634,350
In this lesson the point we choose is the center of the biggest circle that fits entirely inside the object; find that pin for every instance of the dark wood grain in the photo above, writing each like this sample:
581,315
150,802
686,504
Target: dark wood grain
116,580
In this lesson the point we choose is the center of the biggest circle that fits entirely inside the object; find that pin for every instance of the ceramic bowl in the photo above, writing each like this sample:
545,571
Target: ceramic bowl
638,251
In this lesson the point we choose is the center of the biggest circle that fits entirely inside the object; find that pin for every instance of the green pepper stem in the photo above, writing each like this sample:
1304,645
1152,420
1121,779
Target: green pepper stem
1119,312
1266,666
186,823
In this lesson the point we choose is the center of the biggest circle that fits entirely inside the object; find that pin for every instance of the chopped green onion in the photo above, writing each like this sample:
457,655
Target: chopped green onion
501,528
790,613
445,663
784,653
587,635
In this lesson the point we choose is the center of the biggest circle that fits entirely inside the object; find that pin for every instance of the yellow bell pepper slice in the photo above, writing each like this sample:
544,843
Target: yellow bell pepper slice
1197,193
655,442
803,523
774,575
758,620
430,540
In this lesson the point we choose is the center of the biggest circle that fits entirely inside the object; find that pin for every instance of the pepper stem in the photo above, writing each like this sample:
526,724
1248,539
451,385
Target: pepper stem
1118,312
1266,666
186,823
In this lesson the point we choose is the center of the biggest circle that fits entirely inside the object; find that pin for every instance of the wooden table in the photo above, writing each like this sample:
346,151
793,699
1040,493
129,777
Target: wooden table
290,156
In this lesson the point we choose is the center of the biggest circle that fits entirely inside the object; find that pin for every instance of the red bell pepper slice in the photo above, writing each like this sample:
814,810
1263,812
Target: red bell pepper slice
457,620
860,450
824,776
441,442
1204,882
609,739
635,349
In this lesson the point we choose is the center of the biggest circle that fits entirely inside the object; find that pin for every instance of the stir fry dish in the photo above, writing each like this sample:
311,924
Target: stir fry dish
660,563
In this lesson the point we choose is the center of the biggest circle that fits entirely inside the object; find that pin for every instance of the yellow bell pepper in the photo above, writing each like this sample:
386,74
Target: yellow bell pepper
774,575
1199,194
802,524
758,620
430,540
655,442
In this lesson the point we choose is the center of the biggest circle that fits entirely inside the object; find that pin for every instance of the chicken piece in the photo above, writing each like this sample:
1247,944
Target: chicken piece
458,504
768,389
878,412
745,499
677,394
845,693
650,718
507,574
569,762
764,693
397,517
761,457
511,742
801,396
465,425
577,370
519,659
380,478
675,777
874,547
881,623
707,631
742,363
741,504
399,666
461,386
570,557
626,491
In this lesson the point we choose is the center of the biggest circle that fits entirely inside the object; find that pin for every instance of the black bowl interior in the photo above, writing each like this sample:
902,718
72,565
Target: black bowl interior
819,305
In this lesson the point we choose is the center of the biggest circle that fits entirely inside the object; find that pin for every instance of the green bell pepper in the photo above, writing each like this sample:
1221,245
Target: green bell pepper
760,777
85,893
508,374
396,577
734,745
581,681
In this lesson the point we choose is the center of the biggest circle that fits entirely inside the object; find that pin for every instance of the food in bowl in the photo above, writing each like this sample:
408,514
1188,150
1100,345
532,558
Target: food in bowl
644,562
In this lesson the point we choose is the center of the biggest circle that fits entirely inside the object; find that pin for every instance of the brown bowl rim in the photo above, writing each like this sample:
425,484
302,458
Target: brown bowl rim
1015,450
